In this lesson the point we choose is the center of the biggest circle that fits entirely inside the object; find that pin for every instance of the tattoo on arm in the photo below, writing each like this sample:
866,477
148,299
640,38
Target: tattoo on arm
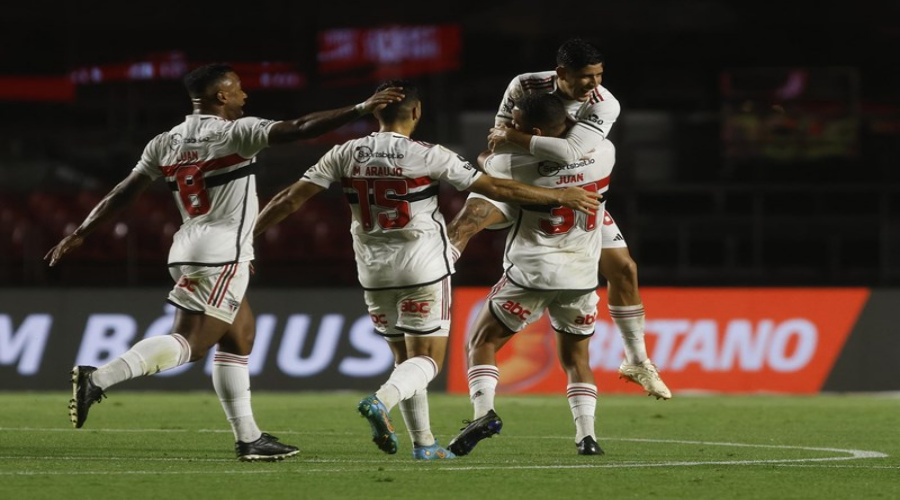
476,215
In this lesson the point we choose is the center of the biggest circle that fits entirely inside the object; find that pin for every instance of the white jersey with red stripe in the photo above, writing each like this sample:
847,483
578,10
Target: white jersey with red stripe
391,182
594,118
207,161
547,247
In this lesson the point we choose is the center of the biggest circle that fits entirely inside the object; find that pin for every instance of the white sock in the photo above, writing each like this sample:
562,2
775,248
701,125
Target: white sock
231,379
583,403
415,415
630,320
149,356
483,380
408,377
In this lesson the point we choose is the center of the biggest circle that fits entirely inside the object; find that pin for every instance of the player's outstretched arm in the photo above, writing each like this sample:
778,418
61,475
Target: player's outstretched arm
516,192
118,199
286,202
476,215
320,122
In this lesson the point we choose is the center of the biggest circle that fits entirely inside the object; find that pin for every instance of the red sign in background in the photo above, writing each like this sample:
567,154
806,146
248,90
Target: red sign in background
740,340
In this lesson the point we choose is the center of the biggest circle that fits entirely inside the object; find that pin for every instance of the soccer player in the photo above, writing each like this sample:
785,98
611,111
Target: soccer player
551,262
576,80
209,163
404,259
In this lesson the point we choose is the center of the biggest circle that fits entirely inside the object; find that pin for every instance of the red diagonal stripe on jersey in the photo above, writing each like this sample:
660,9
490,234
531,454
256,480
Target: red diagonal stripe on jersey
207,166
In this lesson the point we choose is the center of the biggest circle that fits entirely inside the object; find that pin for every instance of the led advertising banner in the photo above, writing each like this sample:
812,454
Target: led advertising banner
780,340
305,339
723,340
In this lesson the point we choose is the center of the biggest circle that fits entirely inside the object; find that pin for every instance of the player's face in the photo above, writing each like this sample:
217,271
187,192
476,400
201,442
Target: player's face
233,96
578,84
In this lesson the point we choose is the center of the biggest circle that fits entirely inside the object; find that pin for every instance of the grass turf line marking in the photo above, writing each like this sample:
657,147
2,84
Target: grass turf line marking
794,462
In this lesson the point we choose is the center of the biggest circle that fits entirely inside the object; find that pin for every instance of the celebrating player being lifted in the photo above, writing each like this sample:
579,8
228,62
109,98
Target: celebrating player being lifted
576,81
208,161
551,262
404,259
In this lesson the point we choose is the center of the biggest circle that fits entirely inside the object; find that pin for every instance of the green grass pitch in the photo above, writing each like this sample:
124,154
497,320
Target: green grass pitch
155,445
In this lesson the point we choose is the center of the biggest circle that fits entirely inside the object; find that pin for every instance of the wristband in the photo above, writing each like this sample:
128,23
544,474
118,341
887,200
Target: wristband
360,108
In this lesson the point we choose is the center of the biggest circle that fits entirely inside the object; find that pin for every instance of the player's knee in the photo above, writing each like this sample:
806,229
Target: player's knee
626,273
197,352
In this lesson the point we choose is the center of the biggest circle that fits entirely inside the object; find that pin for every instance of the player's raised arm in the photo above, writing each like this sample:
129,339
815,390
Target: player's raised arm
119,198
319,122
286,202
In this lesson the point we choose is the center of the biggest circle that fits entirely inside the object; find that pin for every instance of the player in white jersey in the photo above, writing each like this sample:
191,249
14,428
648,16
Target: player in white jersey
551,262
403,256
594,109
208,161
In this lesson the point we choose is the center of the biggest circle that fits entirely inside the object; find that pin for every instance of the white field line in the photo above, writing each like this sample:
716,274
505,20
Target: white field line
845,454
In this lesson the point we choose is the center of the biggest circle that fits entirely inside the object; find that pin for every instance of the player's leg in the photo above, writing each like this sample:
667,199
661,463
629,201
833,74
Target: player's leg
383,310
495,325
193,333
231,381
415,409
572,316
626,309
422,316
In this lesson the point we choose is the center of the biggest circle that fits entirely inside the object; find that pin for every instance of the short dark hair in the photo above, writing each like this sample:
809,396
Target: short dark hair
397,110
577,53
199,81
542,110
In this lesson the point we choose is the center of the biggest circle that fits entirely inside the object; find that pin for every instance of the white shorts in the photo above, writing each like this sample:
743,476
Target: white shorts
423,311
214,291
570,311
612,237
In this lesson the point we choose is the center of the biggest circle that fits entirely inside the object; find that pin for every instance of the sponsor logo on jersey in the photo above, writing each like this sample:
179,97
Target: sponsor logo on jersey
551,168
413,306
587,319
187,283
176,140
516,309
365,153
594,118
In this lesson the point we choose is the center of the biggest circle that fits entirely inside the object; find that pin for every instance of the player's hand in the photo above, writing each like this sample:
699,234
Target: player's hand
66,245
381,99
580,199
498,135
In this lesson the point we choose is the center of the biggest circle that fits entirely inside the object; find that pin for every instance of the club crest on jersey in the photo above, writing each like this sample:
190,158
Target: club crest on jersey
466,164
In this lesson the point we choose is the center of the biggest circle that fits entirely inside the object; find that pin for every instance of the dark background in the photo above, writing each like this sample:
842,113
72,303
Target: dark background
694,212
